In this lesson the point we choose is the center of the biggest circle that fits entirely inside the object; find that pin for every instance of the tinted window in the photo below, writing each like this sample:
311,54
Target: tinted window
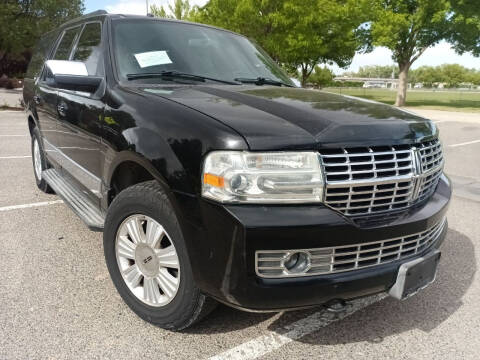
40,54
147,46
88,48
65,46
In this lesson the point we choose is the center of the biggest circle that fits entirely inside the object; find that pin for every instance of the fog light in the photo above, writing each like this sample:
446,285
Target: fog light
297,262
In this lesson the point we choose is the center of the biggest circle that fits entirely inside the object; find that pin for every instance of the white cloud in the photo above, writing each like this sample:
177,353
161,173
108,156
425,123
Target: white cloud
139,7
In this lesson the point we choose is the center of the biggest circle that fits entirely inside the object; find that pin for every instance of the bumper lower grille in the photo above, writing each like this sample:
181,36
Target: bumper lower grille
271,264
366,180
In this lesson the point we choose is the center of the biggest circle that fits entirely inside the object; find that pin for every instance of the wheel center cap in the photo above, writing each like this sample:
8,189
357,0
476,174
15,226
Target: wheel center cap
146,260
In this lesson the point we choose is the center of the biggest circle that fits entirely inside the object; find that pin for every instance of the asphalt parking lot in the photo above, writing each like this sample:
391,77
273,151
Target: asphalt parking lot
58,302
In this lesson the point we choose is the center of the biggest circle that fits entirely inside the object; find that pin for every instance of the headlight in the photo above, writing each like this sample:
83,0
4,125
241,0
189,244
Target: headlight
275,177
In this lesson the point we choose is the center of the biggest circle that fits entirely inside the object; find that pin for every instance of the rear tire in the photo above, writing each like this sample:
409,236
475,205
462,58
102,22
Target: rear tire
39,162
141,232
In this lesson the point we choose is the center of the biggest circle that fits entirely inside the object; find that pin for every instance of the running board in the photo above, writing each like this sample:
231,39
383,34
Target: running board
78,201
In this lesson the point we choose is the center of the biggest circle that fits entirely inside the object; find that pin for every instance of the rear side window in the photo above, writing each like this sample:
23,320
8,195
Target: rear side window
88,49
65,46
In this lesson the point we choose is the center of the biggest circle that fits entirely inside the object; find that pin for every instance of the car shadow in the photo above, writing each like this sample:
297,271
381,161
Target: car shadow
425,311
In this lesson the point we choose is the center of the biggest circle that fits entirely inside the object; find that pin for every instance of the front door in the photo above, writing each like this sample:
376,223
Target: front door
46,97
80,115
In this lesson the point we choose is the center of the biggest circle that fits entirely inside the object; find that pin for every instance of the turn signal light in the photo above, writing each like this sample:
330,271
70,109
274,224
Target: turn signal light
214,180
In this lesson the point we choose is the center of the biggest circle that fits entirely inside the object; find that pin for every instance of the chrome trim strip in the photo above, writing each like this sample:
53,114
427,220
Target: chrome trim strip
85,177
272,260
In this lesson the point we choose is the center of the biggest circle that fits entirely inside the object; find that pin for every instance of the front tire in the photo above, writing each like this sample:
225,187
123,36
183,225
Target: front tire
147,259
39,162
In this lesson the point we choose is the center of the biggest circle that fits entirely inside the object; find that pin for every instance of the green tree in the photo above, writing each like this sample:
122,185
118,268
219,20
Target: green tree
409,27
158,11
427,75
297,34
321,76
180,10
377,71
453,74
23,22
473,77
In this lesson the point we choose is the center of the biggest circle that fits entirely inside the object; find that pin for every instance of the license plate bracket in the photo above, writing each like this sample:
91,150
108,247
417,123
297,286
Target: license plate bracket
415,275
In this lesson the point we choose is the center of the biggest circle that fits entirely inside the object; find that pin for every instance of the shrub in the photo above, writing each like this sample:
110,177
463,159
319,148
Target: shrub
13,83
3,81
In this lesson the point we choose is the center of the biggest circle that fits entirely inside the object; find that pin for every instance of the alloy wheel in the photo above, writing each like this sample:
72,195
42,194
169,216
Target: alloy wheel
148,260
37,159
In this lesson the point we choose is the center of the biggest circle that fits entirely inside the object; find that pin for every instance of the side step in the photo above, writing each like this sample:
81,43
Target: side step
79,202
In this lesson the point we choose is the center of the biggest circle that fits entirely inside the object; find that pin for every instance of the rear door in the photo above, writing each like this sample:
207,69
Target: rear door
80,114
46,96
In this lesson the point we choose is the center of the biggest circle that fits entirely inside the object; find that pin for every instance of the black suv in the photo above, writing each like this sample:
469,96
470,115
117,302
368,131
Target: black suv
214,179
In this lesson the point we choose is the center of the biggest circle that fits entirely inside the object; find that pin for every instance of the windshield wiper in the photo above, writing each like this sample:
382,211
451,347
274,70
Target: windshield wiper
177,74
261,81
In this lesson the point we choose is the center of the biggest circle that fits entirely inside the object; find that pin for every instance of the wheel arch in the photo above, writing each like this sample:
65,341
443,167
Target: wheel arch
128,169
32,122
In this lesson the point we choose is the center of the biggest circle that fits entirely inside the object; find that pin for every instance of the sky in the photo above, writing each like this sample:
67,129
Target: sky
442,53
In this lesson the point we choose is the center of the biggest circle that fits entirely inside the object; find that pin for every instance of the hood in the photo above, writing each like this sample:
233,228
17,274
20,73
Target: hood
276,118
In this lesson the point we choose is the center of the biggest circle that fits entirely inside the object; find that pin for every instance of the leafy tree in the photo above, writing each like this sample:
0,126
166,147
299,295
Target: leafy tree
427,75
158,11
180,10
377,71
321,77
473,77
297,34
24,21
409,27
453,74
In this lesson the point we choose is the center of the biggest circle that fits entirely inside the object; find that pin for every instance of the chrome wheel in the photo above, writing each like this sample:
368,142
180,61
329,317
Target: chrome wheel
37,159
147,260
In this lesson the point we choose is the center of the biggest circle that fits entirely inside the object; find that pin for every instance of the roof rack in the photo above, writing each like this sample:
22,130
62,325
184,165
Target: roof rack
97,12
93,13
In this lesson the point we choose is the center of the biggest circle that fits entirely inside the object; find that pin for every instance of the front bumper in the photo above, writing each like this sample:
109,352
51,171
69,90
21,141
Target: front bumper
222,241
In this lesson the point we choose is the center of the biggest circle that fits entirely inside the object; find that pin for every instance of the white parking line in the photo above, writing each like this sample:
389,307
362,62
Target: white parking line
465,143
25,206
13,135
273,340
15,157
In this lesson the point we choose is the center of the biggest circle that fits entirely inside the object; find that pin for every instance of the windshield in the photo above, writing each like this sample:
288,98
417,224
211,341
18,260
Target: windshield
152,46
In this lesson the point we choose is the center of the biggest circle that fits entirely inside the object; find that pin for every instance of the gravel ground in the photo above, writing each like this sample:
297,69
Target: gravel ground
57,300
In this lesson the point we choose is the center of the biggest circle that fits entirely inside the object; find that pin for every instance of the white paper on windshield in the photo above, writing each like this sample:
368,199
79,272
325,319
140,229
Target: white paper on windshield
152,58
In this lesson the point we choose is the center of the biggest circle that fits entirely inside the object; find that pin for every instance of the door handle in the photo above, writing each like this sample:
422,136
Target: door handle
37,99
62,109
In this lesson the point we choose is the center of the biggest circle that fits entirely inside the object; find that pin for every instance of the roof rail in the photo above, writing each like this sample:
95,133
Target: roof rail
97,12
93,13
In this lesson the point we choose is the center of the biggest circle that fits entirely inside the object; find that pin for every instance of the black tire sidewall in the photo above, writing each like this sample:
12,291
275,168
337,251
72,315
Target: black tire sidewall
141,201
41,183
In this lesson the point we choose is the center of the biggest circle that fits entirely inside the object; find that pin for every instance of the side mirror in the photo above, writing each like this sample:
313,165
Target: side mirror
72,75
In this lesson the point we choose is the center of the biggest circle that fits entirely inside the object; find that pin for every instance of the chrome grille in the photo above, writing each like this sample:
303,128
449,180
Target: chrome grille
428,184
349,257
375,179
430,155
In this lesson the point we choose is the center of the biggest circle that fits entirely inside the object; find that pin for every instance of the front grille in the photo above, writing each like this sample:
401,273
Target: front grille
349,257
430,154
376,179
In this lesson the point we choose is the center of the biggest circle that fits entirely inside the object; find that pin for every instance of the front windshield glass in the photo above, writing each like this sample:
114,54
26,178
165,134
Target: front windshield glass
153,46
